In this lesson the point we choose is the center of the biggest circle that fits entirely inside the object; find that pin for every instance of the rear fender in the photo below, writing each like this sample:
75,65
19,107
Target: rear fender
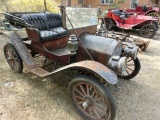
151,11
21,48
139,25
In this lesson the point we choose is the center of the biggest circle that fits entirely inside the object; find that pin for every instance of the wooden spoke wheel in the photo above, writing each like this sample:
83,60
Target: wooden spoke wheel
155,15
132,69
147,31
91,99
13,58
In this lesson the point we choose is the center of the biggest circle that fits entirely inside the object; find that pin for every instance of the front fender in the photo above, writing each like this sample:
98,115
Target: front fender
93,67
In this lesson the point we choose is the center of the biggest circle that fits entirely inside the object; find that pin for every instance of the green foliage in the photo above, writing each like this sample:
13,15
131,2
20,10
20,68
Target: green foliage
31,6
116,4
121,1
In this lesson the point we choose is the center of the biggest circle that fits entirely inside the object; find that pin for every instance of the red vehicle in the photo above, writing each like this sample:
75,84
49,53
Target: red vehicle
144,10
119,18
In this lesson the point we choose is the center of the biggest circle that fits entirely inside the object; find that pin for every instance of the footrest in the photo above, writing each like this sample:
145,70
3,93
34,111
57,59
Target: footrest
39,72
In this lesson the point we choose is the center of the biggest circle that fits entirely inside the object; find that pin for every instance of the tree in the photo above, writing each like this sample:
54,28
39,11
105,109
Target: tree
116,4
31,6
3,5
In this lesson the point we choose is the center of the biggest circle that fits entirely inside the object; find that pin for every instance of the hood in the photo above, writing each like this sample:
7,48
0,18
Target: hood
101,44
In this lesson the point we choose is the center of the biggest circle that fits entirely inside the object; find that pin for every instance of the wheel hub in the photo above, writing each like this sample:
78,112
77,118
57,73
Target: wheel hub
10,56
88,102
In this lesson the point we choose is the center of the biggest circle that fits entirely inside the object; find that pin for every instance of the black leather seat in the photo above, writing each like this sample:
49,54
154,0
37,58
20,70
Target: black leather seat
55,24
38,20
60,30
48,24
48,35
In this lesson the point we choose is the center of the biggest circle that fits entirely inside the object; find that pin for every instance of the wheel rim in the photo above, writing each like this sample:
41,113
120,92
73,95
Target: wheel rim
147,31
155,15
11,58
90,101
130,67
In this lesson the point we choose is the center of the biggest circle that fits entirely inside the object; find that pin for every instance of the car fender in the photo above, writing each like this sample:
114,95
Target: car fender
142,23
21,48
91,67
150,11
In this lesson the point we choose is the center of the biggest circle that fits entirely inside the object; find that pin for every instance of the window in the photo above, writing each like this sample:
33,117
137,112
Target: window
80,1
134,3
156,2
106,2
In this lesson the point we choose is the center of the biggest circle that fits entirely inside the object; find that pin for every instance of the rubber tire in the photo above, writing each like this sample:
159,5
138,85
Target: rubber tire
152,26
20,68
156,25
100,87
135,72
111,24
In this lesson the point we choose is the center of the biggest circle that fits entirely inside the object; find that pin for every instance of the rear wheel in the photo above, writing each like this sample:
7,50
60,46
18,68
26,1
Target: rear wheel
13,58
91,99
156,25
155,15
147,31
132,69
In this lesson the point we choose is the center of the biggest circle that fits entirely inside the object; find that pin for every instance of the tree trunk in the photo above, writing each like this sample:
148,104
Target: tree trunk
45,6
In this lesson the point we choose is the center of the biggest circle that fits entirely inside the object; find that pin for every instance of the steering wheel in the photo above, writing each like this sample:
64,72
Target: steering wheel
125,12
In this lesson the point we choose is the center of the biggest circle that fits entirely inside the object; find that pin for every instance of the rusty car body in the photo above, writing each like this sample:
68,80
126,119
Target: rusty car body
70,42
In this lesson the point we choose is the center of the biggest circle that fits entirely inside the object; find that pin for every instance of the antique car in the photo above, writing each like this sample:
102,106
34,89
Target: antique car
145,10
69,41
119,18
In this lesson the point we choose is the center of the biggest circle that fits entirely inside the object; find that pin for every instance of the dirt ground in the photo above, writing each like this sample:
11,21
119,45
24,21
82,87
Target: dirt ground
27,97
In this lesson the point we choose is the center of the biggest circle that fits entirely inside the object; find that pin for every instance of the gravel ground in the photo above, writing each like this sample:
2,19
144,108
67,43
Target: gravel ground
27,97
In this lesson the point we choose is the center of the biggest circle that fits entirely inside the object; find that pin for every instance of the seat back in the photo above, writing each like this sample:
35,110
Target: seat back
116,14
53,20
139,8
38,20
43,21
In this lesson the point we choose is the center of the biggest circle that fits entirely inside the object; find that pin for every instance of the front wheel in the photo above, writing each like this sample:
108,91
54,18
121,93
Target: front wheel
13,58
109,24
91,99
132,69
147,31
